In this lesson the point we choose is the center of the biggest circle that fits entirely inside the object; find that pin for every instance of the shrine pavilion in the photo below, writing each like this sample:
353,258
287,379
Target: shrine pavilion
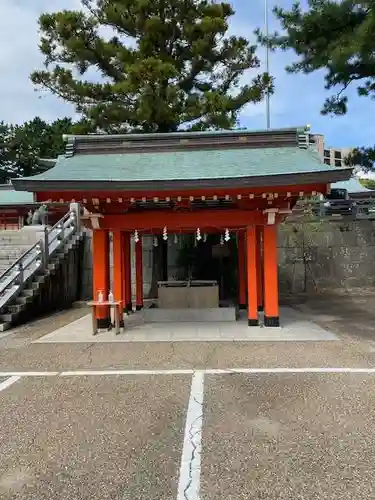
237,184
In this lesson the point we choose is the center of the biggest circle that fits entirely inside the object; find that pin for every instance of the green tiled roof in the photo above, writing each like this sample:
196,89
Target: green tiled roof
352,186
189,159
185,165
8,196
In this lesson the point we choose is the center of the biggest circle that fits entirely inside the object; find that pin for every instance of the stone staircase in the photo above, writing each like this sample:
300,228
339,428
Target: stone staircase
38,270
14,243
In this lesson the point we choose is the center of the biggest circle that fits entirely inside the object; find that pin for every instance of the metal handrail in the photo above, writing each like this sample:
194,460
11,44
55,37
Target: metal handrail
58,230
13,280
65,216
361,209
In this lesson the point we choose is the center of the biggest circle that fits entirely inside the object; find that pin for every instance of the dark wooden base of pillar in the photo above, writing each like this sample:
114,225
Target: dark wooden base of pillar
271,321
252,322
103,323
260,308
138,308
242,306
122,323
129,308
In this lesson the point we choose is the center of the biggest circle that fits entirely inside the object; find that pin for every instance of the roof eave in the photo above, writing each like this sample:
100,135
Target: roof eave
368,193
320,177
23,204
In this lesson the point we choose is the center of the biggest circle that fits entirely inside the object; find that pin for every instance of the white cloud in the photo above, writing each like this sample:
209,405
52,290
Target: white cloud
19,56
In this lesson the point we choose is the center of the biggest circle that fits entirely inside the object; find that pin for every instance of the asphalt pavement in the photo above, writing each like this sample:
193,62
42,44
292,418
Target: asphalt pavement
261,435
92,438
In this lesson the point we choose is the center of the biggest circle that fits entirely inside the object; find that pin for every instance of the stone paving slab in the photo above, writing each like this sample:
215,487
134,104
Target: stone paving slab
24,334
92,438
295,327
283,437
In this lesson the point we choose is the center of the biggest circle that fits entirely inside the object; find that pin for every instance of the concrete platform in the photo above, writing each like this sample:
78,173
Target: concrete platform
295,327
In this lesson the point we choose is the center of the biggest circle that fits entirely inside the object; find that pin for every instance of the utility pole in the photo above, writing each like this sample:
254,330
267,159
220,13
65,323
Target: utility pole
268,118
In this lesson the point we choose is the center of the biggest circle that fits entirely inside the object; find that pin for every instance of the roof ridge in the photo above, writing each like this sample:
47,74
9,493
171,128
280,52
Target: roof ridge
186,141
181,134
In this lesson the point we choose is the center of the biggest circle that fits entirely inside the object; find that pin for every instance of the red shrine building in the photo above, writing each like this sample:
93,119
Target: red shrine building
237,185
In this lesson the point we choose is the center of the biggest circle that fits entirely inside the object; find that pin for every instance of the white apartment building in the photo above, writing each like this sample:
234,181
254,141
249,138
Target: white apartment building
331,156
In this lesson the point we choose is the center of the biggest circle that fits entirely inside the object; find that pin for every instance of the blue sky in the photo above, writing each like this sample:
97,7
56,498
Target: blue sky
297,99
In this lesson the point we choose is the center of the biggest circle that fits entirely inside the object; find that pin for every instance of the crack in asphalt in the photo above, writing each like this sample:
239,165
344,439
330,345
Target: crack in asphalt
178,357
194,452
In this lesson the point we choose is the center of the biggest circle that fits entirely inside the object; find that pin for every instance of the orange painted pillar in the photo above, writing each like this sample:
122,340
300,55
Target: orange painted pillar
271,288
123,270
100,251
139,274
127,273
118,268
259,232
241,257
252,284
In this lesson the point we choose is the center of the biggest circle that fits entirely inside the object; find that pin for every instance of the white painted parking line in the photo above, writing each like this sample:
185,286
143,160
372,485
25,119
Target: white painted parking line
8,382
214,371
189,371
85,373
29,374
190,470
224,371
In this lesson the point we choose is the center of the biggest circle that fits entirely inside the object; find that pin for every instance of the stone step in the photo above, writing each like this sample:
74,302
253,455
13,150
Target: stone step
4,326
8,237
38,279
16,308
6,262
15,245
6,318
30,292
17,241
12,254
25,299
155,315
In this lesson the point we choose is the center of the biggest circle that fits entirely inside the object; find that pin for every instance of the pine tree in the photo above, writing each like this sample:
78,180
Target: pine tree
5,163
21,146
338,37
163,65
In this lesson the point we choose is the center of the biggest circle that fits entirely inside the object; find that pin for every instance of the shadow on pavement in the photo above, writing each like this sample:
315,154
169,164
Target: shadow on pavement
351,315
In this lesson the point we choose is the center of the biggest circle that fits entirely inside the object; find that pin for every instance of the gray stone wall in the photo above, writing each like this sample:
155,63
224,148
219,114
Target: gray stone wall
326,256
